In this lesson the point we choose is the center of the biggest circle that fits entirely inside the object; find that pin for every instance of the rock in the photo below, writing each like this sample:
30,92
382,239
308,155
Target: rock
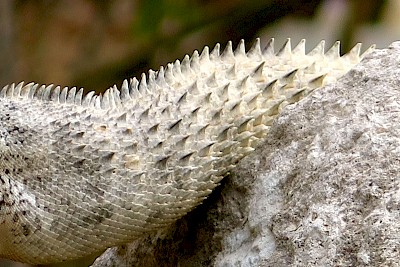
322,191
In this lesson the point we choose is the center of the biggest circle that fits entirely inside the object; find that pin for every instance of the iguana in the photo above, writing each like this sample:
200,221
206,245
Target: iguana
81,173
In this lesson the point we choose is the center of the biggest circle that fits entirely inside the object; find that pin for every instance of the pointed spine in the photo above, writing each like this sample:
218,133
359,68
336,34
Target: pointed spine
268,50
228,55
286,49
195,61
54,96
214,55
25,91
125,96
255,51
319,50
334,52
204,58
17,89
300,48
240,51
71,96
185,67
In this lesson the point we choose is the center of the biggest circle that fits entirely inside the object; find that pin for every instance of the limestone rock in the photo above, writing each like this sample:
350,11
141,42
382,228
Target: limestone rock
322,191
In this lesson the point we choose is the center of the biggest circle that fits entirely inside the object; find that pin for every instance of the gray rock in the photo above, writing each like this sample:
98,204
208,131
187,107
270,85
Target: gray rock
337,158
322,191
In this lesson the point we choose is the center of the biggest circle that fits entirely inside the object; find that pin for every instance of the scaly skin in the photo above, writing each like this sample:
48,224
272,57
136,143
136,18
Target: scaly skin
79,173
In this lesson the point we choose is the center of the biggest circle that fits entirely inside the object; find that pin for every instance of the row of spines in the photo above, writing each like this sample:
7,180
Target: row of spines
113,97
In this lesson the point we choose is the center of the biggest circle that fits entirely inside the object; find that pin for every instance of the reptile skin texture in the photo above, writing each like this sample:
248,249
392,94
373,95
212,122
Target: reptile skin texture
81,173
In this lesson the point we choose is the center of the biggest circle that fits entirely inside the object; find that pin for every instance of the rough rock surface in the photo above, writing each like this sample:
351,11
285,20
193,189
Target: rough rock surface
322,191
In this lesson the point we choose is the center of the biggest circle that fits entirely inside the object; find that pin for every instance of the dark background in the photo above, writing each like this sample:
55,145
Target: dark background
96,44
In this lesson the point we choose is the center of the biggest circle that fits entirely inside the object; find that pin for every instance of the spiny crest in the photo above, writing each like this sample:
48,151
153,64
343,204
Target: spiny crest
175,72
